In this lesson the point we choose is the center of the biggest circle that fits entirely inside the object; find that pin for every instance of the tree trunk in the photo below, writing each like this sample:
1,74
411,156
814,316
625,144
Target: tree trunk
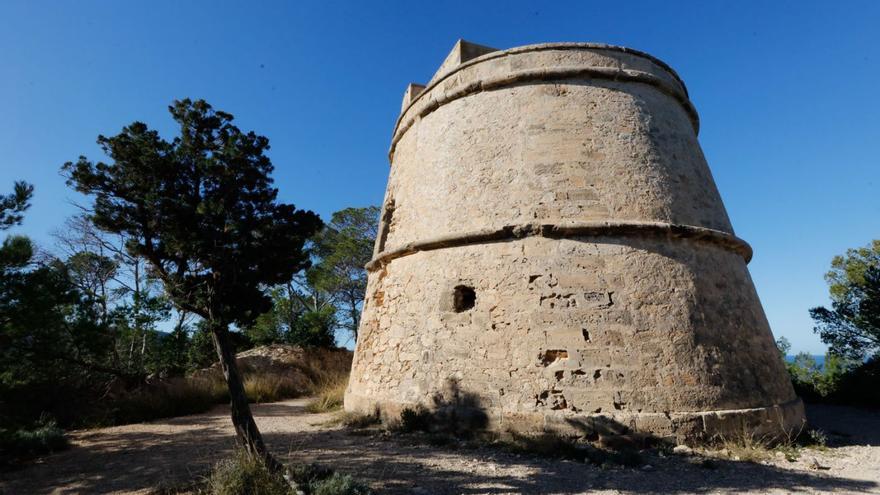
245,427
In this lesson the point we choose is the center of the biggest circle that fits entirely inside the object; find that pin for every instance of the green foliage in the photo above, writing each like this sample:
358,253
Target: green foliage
300,315
201,352
343,248
783,346
860,386
169,352
338,484
313,479
44,438
50,338
201,210
245,474
12,206
313,328
852,326
841,380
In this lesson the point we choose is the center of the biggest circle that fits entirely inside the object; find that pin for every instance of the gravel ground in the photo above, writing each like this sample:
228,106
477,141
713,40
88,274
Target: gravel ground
139,458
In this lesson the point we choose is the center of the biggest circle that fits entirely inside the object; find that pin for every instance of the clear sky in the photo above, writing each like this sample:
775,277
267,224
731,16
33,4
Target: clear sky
786,91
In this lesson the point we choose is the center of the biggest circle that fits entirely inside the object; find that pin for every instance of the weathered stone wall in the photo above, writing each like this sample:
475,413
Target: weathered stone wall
552,243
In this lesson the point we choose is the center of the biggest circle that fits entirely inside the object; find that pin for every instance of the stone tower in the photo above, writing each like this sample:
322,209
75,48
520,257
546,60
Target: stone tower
554,256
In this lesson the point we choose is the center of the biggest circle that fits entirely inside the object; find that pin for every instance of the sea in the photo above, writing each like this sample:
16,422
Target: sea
820,359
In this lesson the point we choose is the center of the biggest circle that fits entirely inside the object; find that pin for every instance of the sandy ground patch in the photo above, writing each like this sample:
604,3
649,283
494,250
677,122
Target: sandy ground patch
137,458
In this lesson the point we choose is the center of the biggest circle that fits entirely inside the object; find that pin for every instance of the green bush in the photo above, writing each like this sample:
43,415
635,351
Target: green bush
860,386
338,484
46,437
840,381
317,480
843,381
243,474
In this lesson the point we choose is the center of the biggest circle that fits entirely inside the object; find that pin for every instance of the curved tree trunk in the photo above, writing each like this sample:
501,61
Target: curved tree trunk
245,428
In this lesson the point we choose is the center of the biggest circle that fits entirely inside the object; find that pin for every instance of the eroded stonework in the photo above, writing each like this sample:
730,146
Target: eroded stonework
553,249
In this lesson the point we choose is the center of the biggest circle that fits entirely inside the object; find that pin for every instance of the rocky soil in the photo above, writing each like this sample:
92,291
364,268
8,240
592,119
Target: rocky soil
169,453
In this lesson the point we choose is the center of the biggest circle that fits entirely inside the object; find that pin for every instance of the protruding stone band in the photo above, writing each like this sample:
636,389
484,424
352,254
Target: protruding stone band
675,88
568,230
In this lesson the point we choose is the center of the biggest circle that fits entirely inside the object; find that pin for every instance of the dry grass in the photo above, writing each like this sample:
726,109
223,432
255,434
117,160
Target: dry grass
749,447
177,397
266,387
205,389
355,420
191,395
330,392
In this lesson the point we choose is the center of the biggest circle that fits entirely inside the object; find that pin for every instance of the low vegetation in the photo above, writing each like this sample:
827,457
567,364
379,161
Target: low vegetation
242,474
850,374
355,420
106,326
201,391
330,394
748,447
21,444
839,380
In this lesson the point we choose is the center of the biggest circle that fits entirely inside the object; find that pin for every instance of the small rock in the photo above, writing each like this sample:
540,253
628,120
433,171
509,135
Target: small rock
682,450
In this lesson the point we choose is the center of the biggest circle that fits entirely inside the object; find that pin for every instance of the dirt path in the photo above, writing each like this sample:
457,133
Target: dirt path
139,458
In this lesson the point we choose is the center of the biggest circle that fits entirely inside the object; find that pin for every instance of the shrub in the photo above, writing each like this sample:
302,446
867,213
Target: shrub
46,437
860,386
840,380
313,479
243,474
338,484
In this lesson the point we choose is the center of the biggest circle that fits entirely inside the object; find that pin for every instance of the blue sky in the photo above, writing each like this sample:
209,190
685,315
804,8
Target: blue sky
786,93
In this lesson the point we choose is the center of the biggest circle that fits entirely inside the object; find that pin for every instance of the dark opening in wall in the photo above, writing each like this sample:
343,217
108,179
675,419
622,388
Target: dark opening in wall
464,298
